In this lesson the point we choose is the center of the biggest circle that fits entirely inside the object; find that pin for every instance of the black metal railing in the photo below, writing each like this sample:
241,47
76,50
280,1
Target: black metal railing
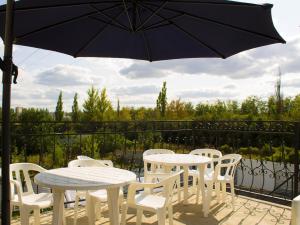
270,149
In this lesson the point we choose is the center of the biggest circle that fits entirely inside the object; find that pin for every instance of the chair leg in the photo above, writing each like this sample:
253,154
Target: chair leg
76,209
139,214
98,209
11,210
223,191
198,192
124,213
206,204
217,189
178,190
194,183
37,216
161,216
232,193
170,215
24,214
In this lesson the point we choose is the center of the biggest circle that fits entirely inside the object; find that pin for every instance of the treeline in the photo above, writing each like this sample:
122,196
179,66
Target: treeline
98,107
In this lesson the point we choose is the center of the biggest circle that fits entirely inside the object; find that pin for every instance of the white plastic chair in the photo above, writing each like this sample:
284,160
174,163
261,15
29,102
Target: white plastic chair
155,172
25,198
159,204
105,161
224,174
214,155
93,197
296,211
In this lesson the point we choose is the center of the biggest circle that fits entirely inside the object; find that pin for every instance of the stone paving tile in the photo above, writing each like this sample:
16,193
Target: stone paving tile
246,211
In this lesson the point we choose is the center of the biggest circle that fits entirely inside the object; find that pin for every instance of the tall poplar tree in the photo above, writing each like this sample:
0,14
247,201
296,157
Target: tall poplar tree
75,109
103,105
90,109
118,110
59,113
161,102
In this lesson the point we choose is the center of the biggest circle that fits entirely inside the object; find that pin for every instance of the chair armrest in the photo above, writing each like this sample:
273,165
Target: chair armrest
18,189
135,186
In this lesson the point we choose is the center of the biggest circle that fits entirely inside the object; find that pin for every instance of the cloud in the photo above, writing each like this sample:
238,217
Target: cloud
136,90
230,87
249,64
293,83
66,75
140,70
208,93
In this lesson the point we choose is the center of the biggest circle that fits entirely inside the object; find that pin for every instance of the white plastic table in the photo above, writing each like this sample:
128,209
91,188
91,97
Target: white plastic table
85,178
184,161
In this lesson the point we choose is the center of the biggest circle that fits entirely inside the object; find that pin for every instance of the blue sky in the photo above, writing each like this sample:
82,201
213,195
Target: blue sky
43,73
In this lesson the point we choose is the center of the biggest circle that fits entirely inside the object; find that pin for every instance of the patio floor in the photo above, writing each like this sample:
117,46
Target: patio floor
247,211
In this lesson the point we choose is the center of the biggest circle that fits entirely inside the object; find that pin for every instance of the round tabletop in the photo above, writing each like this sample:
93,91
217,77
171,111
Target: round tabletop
177,159
85,178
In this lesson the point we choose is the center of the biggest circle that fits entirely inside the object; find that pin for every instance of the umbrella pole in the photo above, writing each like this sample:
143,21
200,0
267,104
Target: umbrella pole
6,96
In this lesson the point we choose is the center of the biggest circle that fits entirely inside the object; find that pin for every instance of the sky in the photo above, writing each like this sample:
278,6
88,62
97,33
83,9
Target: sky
43,74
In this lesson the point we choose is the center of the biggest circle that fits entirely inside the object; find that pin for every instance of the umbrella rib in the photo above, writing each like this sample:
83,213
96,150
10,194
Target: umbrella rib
153,14
213,3
161,23
59,6
63,22
110,23
223,24
99,32
127,14
188,34
110,18
146,42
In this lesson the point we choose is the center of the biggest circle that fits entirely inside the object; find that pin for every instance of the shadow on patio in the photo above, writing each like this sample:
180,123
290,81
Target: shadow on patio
247,211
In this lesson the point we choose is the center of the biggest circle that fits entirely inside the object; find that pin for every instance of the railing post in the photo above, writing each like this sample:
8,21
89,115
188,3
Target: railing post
296,159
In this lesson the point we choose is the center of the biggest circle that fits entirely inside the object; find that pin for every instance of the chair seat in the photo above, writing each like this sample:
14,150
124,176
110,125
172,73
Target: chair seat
102,194
41,200
195,173
150,201
210,177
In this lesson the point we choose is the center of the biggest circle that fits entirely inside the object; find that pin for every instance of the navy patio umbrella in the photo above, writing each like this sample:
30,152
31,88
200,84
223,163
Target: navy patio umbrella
138,29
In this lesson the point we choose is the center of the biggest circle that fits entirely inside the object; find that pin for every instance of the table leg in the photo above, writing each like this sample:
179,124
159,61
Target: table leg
90,209
206,197
113,205
58,207
201,169
185,184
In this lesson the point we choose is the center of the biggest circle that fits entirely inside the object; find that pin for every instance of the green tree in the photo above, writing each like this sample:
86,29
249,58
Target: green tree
59,113
161,102
90,108
75,109
104,106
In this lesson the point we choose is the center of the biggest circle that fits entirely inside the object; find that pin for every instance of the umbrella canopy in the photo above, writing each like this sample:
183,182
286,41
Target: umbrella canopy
137,29
143,29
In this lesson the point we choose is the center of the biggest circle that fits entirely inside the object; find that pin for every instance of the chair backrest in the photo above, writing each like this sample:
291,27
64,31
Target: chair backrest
104,161
20,172
214,154
157,151
81,157
153,168
86,163
168,184
228,164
